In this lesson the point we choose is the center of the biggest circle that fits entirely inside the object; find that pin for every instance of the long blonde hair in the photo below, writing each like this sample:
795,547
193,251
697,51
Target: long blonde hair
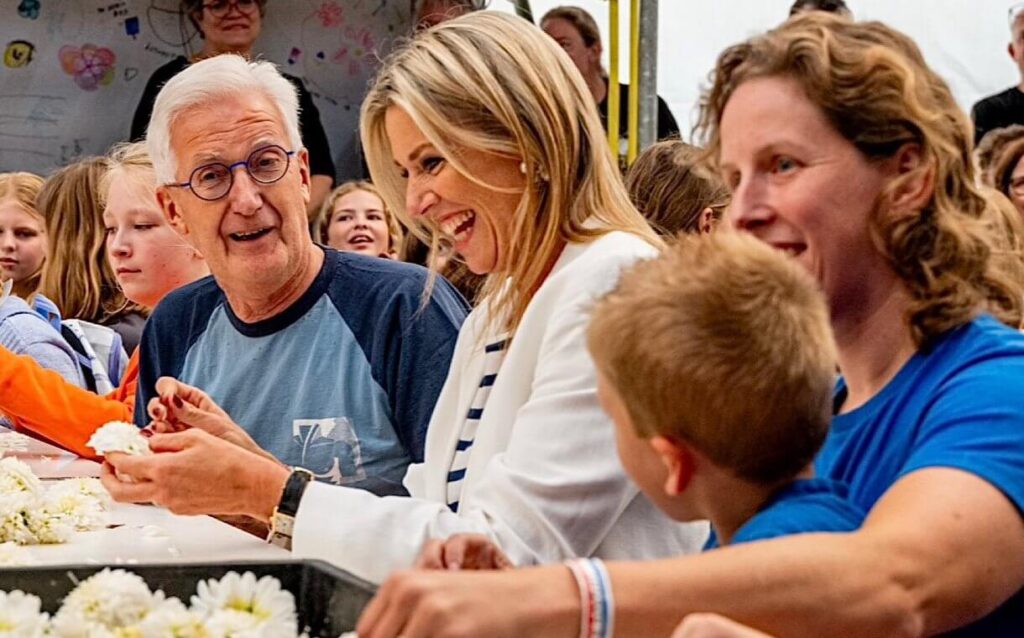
872,84
77,276
495,83
24,189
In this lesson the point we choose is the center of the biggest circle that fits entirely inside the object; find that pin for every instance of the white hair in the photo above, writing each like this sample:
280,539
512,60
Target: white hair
206,81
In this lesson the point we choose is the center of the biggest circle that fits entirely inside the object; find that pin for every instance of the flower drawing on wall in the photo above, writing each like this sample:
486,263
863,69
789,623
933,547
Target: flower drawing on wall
91,66
357,52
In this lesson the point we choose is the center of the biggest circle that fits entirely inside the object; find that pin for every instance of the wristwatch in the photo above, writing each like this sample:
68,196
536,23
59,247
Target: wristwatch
282,521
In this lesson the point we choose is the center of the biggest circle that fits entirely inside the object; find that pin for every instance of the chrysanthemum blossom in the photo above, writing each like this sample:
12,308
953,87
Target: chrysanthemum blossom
118,436
271,608
16,476
20,615
112,599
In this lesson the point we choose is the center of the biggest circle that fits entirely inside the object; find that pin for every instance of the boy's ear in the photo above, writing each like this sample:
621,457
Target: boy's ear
678,461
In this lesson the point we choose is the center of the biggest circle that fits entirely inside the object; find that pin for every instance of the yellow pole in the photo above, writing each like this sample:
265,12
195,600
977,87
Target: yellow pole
613,77
634,82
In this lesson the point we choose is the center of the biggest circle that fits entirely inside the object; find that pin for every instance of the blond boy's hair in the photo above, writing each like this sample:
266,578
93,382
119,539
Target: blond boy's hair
724,344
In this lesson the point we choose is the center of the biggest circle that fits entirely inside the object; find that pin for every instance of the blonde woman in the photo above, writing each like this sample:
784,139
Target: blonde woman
79,278
844,149
482,133
355,219
150,260
22,232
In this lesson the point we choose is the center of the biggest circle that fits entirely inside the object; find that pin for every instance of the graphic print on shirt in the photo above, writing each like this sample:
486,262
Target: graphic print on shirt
329,448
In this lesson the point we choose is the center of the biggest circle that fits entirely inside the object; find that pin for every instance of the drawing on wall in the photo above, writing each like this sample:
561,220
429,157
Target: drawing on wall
29,9
90,66
18,54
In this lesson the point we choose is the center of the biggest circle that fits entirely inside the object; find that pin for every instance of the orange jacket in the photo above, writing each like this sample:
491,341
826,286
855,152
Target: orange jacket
43,402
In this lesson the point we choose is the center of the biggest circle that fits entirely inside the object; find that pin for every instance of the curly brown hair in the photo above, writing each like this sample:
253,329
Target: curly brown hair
872,84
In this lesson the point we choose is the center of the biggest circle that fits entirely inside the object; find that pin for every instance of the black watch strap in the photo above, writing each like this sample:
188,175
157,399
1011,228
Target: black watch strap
294,488
282,521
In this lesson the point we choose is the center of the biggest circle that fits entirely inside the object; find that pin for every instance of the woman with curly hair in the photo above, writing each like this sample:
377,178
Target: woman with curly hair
844,149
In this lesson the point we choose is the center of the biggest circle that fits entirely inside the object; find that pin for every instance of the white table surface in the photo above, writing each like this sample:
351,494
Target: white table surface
138,533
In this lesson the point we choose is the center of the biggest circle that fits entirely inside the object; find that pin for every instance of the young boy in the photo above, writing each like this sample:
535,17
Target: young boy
716,362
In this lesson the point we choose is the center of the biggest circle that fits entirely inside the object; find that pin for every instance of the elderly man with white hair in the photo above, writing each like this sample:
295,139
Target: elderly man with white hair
330,361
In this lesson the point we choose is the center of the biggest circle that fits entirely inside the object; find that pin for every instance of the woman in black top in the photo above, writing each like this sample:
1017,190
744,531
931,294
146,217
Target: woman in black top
232,26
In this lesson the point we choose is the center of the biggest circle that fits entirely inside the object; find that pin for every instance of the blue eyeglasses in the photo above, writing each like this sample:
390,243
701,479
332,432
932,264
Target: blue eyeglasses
213,181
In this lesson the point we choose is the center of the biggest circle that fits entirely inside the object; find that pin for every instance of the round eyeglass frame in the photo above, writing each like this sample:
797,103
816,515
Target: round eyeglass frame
231,172
220,13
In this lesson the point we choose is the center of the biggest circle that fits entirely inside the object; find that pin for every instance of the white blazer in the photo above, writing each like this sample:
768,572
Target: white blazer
543,479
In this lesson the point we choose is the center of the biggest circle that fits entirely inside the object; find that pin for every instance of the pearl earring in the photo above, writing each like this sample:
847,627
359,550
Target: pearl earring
522,167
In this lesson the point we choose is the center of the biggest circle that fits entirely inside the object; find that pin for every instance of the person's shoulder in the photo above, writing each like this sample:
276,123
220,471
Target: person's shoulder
376,282
169,69
999,100
12,307
611,251
984,339
807,505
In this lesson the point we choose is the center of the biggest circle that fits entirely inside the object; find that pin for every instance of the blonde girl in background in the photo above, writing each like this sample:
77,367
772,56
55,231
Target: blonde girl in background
78,277
355,219
22,232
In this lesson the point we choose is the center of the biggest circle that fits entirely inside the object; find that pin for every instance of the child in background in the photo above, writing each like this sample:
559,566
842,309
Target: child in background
150,259
716,362
669,187
355,219
22,232
78,277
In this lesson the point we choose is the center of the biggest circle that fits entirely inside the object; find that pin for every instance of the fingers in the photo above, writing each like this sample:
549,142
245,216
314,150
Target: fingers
431,556
122,492
173,441
384,616
473,551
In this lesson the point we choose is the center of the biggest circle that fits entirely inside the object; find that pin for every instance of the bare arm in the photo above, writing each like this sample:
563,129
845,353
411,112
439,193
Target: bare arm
940,549
894,577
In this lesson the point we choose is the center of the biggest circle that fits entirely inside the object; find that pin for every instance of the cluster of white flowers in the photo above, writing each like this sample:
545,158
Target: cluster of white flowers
117,603
118,436
31,514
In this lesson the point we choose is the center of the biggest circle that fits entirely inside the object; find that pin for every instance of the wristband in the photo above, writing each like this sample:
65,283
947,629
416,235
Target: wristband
597,606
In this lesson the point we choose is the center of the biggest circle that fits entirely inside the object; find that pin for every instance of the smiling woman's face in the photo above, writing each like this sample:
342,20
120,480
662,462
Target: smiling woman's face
800,186
358,224
477,219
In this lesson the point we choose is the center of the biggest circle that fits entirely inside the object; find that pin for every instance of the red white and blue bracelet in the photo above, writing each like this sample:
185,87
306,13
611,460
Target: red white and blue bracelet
597,606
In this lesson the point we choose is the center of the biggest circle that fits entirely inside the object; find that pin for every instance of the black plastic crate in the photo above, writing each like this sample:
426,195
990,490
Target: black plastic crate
327,599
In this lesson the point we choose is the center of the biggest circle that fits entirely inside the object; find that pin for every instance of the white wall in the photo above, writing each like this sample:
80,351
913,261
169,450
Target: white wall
964,40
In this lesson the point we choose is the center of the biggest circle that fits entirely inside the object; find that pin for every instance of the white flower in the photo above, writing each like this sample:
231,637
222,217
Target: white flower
20,616
48,526
271,608
16,476
81,511
171,619
14,511
118,436
232,623
83,486
111,600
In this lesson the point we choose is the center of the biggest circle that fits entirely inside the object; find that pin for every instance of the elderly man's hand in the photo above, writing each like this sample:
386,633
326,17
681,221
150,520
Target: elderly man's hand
714,626
463,551
179,406
194,472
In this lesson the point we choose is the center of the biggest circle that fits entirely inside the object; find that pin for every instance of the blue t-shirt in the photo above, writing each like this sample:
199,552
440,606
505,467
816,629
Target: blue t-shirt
342,383
958,405
807,505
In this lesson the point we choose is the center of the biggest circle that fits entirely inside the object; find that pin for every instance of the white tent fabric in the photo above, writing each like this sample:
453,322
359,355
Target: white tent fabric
964,40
